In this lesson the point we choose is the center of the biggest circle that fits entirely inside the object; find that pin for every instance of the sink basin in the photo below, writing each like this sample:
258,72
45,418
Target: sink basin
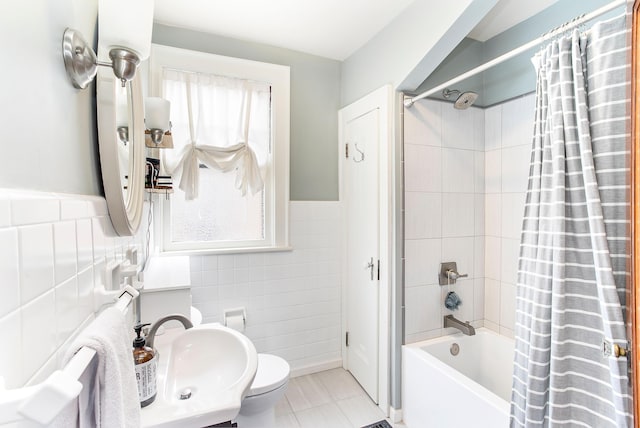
203,375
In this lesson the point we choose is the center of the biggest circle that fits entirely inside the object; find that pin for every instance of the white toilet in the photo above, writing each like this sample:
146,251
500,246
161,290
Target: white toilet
258,407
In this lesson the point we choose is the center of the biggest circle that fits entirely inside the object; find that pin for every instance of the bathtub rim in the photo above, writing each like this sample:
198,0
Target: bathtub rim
475,388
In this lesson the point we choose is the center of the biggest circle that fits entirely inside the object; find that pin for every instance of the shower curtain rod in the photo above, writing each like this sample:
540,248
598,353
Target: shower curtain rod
408,102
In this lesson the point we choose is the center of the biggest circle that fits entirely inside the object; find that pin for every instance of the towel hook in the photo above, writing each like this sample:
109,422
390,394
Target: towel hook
361,154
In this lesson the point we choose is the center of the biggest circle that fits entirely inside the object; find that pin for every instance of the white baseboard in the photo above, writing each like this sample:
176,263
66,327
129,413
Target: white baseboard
315,368
395,415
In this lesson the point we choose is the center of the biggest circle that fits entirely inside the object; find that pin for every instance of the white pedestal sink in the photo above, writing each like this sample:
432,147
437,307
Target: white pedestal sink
203,375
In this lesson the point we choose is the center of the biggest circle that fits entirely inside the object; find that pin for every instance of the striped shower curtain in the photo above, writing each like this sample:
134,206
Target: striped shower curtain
572,269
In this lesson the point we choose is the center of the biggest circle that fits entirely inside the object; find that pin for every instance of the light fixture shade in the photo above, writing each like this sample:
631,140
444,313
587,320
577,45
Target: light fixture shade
156,113
125,24
122,107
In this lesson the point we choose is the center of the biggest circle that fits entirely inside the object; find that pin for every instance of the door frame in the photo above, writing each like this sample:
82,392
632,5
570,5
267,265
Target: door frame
381,99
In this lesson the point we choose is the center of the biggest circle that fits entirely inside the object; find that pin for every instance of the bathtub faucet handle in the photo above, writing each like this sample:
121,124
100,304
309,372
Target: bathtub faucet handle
453,275
449,273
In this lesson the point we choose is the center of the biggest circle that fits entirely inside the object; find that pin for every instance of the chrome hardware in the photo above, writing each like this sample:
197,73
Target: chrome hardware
449,273
464,327
361,154
370,265
185,394
156,325
454,349
81,63
79,59
453,275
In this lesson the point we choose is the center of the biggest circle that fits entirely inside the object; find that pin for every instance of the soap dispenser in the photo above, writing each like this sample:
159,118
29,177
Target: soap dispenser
145,362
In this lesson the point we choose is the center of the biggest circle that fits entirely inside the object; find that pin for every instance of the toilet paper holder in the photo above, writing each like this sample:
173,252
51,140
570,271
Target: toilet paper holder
232,313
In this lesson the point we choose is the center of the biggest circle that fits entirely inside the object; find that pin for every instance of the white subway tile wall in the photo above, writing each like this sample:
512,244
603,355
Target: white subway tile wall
465,182
462,129
455,164
444,198
423,124
419,179
292,298
423,214
510,127
53,248
9,271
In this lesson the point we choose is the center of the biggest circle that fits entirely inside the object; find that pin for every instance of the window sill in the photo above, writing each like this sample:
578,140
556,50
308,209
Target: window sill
219,251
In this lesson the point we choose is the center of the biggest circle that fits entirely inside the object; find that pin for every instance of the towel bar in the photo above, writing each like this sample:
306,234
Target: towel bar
43,402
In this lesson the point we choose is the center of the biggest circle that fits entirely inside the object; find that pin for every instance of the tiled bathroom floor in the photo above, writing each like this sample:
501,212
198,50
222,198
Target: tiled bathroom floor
327,399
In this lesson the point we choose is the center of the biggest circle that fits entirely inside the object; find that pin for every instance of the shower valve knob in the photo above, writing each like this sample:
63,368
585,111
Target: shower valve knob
451,274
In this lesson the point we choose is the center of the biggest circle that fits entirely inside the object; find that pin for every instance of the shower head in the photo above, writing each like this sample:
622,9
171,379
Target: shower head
464,100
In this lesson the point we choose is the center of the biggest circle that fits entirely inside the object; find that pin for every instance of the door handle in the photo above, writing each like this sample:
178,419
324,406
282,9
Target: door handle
370,265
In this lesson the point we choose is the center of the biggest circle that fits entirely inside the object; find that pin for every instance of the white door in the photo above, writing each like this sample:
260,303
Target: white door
362,188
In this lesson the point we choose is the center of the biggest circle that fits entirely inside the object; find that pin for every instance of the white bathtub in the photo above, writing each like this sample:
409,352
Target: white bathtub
471,389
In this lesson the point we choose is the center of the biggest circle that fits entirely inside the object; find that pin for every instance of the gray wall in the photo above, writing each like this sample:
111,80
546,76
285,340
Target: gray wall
410,47
516,76
467,55
315,100
49,138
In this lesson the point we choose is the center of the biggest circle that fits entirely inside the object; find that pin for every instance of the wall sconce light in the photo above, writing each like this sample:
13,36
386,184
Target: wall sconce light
156,111
123,134
126,37
122,115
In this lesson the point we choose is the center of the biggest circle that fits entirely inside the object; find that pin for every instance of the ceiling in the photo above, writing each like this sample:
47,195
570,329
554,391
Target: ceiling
329,28
506,14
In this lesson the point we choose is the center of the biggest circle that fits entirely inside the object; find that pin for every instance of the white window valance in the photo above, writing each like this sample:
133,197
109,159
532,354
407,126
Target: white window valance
220,122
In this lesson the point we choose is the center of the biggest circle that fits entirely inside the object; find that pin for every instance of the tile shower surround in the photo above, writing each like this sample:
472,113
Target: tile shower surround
508,129
53,250
465,180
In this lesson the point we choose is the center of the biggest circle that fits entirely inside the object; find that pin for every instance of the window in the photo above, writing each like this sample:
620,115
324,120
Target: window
230,126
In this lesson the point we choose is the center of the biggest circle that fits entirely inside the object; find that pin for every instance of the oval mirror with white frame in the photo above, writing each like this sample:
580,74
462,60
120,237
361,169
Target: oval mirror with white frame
121,142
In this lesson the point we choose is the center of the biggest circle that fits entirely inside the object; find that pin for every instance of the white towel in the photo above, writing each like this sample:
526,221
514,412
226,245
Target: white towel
114,397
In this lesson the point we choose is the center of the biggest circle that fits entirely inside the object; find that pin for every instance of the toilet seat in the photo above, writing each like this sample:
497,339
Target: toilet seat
272,373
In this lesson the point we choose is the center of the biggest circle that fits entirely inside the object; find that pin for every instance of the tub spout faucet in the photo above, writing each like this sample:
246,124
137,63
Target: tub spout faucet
156,325
464,327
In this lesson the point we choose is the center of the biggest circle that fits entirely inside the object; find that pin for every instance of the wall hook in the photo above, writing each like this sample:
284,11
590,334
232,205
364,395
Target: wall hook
361,154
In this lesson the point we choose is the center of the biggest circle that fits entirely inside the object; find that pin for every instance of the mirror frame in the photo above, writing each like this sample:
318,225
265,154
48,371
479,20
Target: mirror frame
125,208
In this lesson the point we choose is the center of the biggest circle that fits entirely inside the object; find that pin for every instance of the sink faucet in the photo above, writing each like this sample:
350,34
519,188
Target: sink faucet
156,325
464,327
